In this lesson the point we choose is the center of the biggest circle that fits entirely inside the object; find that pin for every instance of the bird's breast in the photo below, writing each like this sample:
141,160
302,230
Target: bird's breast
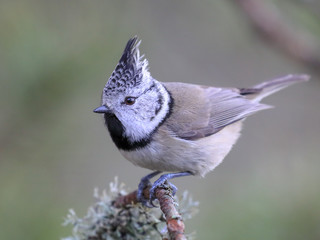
168,153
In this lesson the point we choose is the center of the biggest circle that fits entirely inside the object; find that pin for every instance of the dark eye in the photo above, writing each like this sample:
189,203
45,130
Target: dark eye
129,100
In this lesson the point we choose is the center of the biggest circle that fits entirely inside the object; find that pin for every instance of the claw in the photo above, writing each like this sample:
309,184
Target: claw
145,182
163,182
173,188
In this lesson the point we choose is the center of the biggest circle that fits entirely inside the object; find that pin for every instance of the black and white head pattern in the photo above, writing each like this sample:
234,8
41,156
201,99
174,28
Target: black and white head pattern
138,103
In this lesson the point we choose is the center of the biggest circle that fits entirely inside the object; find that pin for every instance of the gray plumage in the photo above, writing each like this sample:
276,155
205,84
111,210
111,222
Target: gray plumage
177,127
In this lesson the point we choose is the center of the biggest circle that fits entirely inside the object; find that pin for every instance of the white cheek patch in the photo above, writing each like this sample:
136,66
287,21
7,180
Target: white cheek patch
140,126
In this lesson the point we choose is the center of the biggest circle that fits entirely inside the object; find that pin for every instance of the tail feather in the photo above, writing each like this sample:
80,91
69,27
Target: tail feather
270,87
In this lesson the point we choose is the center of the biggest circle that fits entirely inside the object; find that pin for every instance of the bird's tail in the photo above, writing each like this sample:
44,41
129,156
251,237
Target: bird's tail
265,89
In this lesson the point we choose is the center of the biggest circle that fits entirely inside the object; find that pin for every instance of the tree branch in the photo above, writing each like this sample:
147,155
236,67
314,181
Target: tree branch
269,23
175,224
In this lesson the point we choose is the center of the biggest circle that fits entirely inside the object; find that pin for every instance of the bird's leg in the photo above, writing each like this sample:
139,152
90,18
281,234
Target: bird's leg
162,181
145,182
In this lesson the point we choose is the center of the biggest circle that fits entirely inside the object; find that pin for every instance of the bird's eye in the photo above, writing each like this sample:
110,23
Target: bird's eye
129,100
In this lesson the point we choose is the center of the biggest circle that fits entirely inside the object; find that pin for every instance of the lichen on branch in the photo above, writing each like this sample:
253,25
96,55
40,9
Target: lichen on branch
107,219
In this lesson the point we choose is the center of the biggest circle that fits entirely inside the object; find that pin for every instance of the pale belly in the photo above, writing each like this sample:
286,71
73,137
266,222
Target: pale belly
171,154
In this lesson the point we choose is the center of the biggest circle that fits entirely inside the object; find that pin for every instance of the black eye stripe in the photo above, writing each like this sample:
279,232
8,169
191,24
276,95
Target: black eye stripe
149,89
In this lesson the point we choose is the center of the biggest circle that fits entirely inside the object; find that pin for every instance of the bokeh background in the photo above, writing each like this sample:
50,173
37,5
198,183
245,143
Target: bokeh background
55,57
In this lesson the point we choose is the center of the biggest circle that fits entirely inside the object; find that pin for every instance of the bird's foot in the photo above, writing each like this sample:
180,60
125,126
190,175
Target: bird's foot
164,183
144,183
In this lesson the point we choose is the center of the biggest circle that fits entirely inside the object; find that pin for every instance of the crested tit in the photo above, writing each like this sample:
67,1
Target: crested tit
184,129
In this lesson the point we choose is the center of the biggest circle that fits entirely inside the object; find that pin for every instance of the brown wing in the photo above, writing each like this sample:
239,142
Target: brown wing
202,111
190,113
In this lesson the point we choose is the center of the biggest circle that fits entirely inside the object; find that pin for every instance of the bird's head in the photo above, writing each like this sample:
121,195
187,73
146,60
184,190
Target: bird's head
132,98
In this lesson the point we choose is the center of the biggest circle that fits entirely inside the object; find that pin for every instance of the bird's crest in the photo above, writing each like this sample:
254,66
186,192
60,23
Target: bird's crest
131,70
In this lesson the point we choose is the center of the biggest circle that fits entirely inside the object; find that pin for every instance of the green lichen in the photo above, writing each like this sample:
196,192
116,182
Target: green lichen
105,222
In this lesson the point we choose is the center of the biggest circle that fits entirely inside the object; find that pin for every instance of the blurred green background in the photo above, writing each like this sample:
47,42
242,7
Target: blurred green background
55,57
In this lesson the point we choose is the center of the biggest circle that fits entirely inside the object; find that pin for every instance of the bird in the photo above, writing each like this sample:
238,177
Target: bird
178,128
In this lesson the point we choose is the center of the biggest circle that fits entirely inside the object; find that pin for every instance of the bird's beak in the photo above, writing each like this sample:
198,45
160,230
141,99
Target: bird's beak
102,109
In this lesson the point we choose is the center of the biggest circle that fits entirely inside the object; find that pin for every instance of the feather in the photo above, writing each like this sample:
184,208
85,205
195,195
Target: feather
200,111
275,85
